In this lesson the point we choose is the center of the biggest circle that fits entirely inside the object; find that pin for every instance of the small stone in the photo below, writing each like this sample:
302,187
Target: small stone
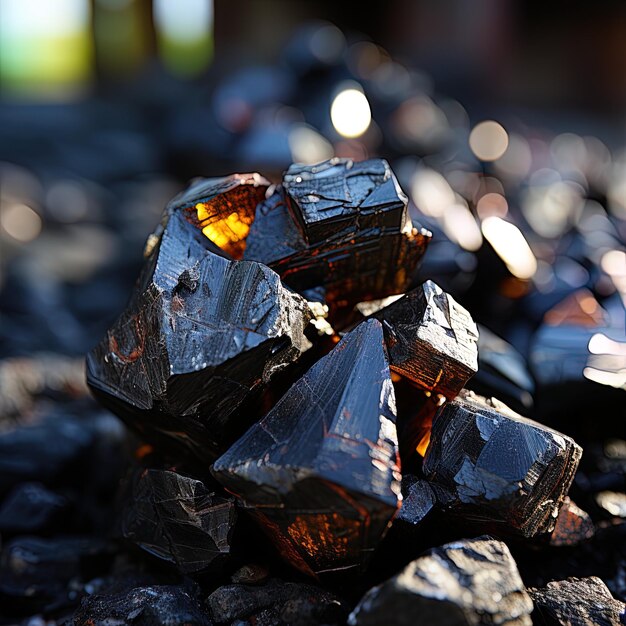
431,339
177,519
498,470
31,508
577,602
158,605
573,525
470,582
276,603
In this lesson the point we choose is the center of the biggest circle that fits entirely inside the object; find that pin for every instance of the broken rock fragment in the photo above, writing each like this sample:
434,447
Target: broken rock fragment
469,582
577,602
275,603
431,339
320,471
156,605
497,469
178,519
340,226
199,336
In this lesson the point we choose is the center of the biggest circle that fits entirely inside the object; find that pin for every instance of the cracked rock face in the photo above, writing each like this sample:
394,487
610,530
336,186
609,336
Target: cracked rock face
200,335
497,469
177,519
469,582
577,602
320,471
341,228
431,339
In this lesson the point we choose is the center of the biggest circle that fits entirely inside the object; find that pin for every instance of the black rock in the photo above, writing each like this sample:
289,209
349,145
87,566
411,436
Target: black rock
418,500
275,603
341,226
320,471
157,605
573,525
32,508
200,335
431,339
577,602
178,519
35,573
341,197
465,583
497,469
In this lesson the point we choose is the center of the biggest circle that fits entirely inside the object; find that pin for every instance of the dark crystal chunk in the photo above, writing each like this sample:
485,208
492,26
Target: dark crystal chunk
341,197
472,581
340,226
497,469
199,336
320,471
178,519
431,339
223,208
157,605
577,602
275,603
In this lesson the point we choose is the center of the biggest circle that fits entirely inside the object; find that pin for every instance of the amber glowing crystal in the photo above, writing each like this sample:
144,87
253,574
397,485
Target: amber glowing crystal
200,335
223,208
490,466
342,227
320,471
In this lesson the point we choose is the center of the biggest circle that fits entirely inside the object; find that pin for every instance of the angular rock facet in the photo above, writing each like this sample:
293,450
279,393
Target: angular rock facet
577,602
340,226
497,469
157,605
472,582
320,471
178,519
199,336
431,339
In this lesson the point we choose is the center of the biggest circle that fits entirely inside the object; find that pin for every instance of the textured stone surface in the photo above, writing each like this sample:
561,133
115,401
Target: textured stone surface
341,227
178,519
577,602
275,603
157,605
469,582
573,525
320,471
200,334
497,469
431,339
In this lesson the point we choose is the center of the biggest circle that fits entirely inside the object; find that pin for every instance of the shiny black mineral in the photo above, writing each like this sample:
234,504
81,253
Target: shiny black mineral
320,471
200,335
499,470
178,519
431,339
339,226
470,582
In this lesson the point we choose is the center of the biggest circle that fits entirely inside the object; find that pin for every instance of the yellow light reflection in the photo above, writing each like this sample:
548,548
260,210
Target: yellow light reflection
511,246
228,233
